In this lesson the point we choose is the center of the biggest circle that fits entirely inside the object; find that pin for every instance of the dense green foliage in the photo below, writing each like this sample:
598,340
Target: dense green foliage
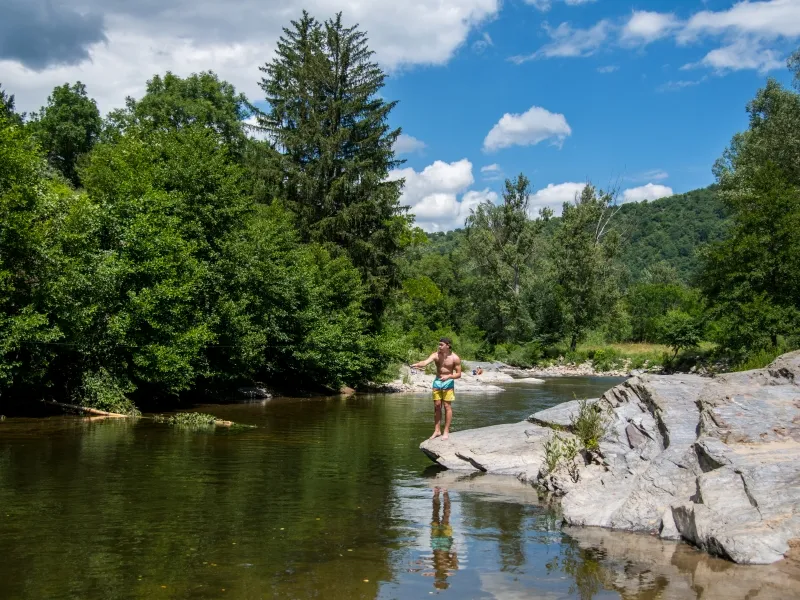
670,231
164,250
67,128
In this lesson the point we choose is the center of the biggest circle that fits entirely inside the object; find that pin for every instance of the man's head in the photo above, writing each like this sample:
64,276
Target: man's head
445,344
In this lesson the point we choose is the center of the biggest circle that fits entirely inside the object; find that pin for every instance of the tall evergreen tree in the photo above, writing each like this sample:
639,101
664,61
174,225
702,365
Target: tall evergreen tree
67,128
335,146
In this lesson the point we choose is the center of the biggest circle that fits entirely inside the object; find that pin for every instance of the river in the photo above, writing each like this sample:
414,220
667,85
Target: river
326,498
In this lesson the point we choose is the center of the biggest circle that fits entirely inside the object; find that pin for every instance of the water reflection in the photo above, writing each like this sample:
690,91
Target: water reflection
445,558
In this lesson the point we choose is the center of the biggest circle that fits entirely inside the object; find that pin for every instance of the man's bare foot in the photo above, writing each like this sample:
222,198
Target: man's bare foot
435,435
446,435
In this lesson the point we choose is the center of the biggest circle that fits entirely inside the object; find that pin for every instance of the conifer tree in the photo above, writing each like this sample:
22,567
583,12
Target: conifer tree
335,146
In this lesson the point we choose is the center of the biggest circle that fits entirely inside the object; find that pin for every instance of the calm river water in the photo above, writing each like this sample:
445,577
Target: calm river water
326,498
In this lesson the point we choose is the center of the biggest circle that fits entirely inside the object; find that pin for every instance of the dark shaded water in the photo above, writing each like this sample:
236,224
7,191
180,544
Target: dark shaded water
327,498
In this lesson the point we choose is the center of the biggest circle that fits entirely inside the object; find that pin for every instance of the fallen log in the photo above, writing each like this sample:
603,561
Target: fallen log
85,409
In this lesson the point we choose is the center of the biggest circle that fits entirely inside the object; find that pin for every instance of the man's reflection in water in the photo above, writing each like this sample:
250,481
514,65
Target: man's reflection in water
445,559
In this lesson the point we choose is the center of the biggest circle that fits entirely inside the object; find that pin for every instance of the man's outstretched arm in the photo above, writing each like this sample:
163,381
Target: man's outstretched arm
424,363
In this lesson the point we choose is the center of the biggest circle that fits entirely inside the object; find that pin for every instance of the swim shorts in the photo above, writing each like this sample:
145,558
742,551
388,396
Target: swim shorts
444,390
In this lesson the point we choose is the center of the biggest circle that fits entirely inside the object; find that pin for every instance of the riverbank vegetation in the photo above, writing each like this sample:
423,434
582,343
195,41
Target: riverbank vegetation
191,242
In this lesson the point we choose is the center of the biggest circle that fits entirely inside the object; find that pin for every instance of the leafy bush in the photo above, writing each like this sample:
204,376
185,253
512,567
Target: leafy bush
607,359
589,424
103,391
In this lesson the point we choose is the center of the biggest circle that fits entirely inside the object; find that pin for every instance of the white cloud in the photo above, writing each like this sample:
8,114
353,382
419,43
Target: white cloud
533,126
234,38
651,191
644,27
433,194
652,175
545,5
769,19
569,42
741,54
608,69
408,144
554,196
676,86
493,168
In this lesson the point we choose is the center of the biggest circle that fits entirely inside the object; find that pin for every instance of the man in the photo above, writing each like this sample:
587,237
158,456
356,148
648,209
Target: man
448,369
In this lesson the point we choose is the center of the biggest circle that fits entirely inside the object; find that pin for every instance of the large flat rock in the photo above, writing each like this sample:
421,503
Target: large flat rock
713,461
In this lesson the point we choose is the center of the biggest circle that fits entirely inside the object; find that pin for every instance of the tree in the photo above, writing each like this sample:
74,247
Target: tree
335,146
171,102
679,331
502,242
67,128
8,109
751,276
25,196
583,251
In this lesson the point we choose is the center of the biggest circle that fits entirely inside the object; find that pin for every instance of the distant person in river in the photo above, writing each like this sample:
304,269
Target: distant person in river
448,369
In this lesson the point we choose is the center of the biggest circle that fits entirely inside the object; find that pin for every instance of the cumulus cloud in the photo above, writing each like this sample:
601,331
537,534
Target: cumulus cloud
645,26
768,19
741,54
439,196
531,127
114,46
408,144
554,196
651,191
569,42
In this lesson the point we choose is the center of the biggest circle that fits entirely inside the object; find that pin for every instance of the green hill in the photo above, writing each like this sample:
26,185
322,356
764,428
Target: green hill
671,230
667,230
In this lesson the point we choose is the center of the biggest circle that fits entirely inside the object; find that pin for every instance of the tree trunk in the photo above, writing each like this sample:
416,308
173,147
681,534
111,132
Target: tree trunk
573,343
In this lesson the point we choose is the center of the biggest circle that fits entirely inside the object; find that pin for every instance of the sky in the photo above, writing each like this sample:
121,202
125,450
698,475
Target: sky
636,97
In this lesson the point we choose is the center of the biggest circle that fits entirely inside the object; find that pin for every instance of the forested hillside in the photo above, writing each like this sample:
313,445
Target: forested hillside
671,230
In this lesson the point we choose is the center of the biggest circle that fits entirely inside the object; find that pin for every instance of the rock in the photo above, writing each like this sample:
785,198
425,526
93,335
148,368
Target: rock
346,391
255,392
713,461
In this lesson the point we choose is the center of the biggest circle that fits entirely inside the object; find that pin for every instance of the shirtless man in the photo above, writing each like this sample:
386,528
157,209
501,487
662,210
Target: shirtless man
448,369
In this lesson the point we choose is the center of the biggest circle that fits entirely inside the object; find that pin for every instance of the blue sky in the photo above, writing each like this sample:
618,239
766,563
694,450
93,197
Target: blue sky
643,96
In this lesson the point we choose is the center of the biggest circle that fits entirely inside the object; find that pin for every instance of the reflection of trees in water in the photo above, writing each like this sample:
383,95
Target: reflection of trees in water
583,565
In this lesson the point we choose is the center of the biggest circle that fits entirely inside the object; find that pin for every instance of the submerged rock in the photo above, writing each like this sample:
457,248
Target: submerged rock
713,461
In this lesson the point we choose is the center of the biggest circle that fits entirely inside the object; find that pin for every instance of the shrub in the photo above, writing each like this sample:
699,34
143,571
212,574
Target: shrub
101,390
589,424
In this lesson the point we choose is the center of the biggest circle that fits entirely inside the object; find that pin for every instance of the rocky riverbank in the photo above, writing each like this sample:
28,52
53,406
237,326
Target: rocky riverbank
714,461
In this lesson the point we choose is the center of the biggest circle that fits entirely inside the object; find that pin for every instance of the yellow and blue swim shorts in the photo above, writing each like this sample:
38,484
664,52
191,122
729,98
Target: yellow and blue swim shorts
444,390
